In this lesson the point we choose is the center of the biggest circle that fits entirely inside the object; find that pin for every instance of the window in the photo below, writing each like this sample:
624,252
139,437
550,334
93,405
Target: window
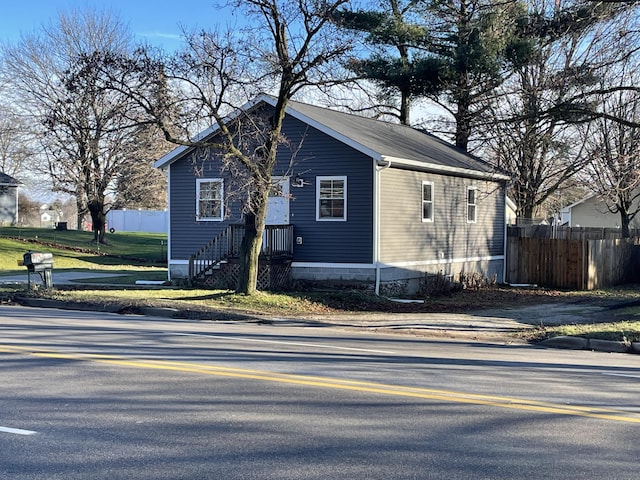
331,195
472,203
427,201
209,200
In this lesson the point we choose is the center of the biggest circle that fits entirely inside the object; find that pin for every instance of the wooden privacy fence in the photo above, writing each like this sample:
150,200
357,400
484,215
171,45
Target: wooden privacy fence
566,233
571,264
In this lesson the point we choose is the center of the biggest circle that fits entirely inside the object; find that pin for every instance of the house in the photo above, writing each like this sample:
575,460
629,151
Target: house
511,217
592,211
49,216
362,201
8,199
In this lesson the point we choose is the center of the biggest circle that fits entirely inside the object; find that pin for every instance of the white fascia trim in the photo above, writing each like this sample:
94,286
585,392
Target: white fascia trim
169,221
178,152
332,133
442,261
435,168
575,204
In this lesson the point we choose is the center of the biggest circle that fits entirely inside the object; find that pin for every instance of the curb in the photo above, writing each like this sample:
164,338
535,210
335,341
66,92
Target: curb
166,312
47,303
594,344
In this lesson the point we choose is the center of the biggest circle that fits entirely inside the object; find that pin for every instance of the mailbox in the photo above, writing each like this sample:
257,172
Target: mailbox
39,262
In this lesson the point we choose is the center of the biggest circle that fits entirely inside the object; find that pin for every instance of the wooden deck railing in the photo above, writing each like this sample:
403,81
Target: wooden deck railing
277,241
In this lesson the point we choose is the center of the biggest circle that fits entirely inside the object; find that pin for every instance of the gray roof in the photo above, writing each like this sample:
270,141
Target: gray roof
393,140
384,141
7,180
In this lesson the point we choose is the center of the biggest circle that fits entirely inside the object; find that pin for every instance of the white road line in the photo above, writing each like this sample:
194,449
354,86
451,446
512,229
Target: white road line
621,375
297,344
17,431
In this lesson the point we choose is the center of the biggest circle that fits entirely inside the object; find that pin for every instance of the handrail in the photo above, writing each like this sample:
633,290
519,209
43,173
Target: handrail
277,240
210,255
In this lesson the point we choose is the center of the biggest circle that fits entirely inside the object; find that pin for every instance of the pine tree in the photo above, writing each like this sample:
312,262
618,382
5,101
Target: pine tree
452,52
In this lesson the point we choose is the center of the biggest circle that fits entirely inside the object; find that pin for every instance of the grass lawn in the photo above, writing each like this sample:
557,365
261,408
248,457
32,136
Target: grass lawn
622,331
74,249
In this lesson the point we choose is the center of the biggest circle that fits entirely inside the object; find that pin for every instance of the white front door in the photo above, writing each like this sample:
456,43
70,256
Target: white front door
278,203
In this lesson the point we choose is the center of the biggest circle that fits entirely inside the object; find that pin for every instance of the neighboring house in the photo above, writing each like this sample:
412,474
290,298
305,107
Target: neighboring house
49,217
367,201
512,212
8,199
592,211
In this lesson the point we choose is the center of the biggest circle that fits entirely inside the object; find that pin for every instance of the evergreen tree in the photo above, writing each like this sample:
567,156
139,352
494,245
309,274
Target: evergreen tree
398,64
454,52
139,184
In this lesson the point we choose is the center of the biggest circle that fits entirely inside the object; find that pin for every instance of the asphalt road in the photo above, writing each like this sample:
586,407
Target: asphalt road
99,396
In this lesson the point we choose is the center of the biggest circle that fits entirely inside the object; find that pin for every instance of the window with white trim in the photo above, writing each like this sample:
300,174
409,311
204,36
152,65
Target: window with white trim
209,199
331,198
472,204
427,201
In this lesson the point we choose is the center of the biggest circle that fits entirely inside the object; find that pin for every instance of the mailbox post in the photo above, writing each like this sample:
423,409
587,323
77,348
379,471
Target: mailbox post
41,263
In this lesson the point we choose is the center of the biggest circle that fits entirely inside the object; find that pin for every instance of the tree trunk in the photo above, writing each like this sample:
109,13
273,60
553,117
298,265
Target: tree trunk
404,107
98,220
463,122
81,210
624,224
250,254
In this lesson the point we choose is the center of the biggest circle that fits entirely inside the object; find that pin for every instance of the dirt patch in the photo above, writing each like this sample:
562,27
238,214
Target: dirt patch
494,297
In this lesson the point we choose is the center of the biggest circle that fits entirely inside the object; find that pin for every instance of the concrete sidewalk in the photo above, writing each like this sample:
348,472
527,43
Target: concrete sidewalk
59,277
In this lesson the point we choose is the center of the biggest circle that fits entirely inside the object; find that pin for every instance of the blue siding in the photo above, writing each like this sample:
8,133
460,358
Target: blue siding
187,234
316,154
324,241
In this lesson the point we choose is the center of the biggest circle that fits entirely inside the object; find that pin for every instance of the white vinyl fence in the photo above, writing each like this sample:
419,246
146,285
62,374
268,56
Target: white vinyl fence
150,221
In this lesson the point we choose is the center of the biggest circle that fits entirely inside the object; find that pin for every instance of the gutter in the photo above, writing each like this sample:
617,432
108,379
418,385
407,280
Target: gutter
445,170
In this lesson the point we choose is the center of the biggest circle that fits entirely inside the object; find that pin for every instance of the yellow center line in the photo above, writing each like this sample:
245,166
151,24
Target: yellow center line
332,383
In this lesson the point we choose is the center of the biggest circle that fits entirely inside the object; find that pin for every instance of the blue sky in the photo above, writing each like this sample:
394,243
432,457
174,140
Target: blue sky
154,21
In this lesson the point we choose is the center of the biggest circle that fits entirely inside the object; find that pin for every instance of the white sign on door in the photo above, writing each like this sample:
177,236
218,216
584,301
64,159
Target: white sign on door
278,203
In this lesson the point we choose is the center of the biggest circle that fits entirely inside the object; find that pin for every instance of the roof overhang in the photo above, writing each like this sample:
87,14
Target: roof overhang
10,182
444,169
579,202
182,150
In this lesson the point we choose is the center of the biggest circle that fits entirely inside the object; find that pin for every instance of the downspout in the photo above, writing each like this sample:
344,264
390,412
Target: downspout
168,173
16,218
504,240
378,166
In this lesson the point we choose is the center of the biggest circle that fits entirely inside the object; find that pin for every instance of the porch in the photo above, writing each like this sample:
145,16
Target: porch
216,264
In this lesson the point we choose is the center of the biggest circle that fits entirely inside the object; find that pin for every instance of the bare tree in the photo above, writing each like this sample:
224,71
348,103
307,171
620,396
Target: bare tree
15,148
87,132
613,154
533,133
287,47
610,48
539,152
